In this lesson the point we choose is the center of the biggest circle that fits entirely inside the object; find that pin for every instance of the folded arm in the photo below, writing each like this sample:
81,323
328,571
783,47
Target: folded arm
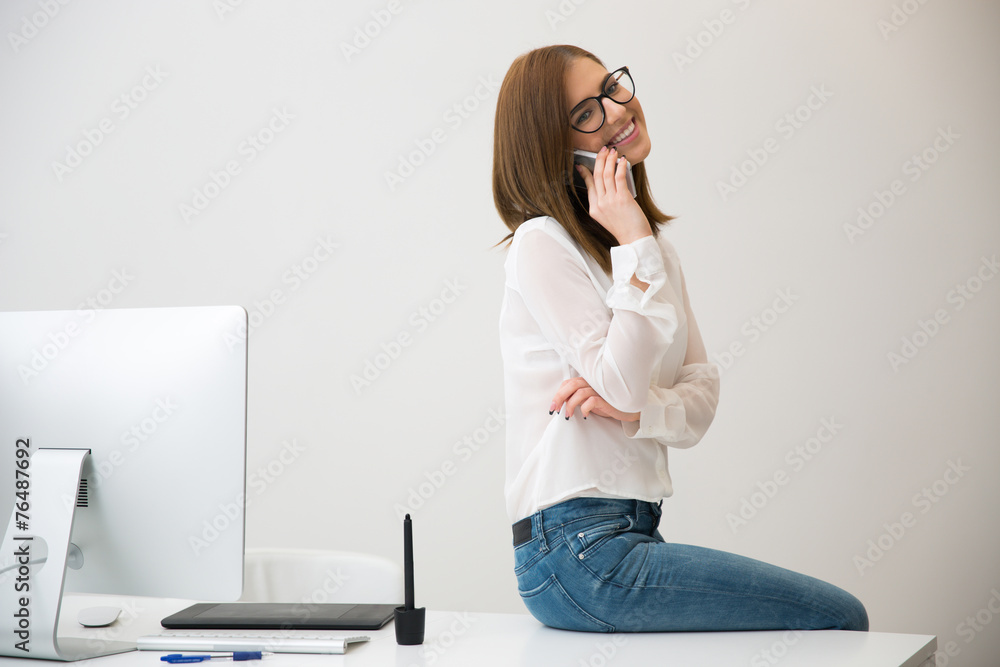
680,415
613,342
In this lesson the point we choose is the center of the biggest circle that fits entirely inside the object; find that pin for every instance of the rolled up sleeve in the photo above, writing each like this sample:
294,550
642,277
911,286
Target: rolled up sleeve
681,415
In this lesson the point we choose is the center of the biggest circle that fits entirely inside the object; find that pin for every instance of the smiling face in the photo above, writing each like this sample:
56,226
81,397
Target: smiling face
624,124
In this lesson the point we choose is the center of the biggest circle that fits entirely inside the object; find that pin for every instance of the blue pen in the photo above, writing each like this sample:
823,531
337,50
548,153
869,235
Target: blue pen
176,658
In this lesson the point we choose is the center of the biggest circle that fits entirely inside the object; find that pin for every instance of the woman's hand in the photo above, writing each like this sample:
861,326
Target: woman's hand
577,393
611,203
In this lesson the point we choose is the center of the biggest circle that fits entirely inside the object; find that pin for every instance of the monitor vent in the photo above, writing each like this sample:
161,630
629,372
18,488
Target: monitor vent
81,494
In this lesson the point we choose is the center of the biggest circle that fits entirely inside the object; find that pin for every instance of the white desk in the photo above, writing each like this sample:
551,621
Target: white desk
473,639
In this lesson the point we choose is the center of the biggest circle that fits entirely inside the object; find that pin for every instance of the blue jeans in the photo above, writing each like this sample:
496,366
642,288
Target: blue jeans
599,565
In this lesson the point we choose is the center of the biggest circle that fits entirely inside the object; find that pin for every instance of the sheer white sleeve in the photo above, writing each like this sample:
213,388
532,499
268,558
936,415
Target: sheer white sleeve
614,343
680,415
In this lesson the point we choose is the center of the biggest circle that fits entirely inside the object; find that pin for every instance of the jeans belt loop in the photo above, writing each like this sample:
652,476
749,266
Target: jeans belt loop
539,530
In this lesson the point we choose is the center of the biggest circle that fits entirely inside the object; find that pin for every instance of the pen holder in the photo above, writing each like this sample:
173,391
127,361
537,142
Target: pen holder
409,625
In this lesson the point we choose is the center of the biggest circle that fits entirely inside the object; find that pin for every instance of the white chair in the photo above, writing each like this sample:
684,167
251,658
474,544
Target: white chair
319,577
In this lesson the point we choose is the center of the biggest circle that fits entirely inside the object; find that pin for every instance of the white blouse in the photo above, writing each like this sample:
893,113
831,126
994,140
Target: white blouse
564,317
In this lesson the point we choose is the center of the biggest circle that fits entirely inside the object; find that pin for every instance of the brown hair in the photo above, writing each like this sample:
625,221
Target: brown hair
533,159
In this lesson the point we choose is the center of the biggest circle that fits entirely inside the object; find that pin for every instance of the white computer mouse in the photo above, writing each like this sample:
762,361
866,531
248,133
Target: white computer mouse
98,617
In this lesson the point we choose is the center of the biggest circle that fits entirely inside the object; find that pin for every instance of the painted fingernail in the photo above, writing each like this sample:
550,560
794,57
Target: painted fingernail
567,417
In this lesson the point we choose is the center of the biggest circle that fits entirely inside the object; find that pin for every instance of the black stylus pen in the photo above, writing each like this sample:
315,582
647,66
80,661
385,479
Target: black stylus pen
409,620
408,561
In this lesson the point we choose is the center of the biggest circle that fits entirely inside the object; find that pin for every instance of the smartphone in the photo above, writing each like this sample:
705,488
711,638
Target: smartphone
587,159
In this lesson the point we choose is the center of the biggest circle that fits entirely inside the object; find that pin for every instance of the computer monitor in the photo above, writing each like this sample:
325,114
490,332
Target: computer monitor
122,463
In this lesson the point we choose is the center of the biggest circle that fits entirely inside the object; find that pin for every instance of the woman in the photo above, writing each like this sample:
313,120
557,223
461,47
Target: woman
604,369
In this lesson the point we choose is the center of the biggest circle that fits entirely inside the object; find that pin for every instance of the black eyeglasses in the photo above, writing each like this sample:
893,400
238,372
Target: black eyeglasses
588,116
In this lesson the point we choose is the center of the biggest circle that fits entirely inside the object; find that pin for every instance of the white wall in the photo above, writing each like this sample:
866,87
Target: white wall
339,122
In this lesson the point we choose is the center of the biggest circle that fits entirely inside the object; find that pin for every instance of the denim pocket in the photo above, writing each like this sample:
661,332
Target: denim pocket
552,605
526,555
591,538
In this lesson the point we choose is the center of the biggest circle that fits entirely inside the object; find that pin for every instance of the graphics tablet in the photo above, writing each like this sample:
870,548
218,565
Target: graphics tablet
280,616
